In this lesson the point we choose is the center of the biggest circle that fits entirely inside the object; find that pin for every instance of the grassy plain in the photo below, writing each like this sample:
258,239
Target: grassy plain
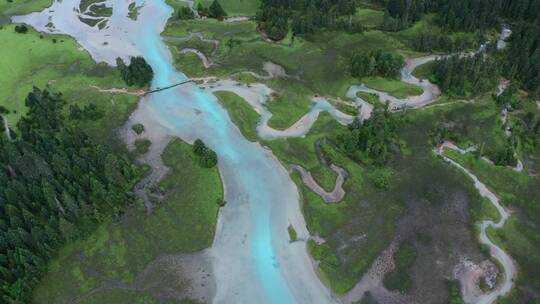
35,59
241,114
369,18
392,86
104,267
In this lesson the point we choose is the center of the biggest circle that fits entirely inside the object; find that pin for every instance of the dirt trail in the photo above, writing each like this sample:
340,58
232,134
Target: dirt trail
120,91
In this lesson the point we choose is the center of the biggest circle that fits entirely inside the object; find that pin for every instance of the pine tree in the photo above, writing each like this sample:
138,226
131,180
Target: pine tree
216,11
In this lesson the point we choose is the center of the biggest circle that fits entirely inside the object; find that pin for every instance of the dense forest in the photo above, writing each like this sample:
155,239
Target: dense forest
377,63
466,76
306,16
460,15
522,58
57,184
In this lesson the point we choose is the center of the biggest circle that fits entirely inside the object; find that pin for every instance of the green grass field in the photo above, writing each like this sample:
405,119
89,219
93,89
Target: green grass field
121,248
480,124
369,210
21,7
391,86
243,116
424,71
369,18
34,59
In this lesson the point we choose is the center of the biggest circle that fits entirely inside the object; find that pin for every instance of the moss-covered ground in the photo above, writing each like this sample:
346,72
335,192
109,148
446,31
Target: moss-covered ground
480,124
520,193
103,267
399,279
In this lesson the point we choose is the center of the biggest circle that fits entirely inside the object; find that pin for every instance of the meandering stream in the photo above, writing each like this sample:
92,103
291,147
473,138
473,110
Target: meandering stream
496,252
252,258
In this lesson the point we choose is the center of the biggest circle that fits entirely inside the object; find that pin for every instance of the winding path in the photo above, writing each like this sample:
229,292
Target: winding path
502,257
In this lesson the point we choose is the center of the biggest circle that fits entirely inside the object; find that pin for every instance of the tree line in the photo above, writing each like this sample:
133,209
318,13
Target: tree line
215,10
207,157
459,15
434,40
305,16
465,76
376,63
57,185
522,56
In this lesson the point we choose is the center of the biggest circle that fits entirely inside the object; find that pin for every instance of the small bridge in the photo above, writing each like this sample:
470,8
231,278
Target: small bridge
167,87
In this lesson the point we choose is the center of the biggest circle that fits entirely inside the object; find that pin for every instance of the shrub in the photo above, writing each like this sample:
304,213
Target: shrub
142,145
185,13
21,29
138,128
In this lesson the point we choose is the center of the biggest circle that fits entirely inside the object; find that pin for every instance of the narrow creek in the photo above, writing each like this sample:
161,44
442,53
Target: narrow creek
496,252
252,258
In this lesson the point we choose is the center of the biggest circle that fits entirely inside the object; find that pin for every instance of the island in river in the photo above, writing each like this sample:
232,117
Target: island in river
363,155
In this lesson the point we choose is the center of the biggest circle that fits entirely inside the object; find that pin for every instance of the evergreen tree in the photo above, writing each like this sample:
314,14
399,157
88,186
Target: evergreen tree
185,13
138,72
375,63
216,11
